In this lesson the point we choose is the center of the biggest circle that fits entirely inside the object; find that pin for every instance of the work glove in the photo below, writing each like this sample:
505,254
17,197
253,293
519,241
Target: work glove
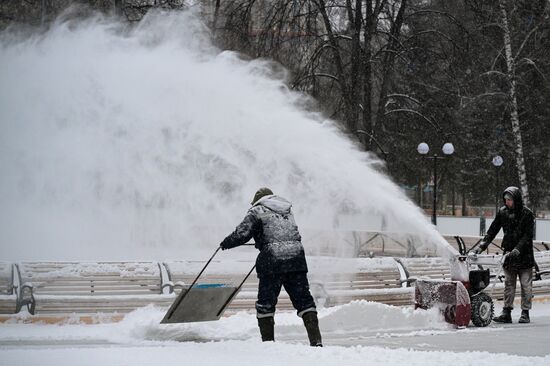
474,252
510,257
482,245
513,254
225,245
506,261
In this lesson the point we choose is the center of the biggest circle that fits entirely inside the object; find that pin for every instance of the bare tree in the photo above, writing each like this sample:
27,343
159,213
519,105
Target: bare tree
514,117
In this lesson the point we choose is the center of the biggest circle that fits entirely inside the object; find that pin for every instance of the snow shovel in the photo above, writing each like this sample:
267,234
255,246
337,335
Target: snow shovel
203,302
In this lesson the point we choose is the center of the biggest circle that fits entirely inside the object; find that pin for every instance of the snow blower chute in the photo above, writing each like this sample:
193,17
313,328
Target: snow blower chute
202,302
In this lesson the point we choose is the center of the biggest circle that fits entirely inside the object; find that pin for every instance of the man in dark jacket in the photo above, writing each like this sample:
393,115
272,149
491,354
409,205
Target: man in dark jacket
281,261
517,222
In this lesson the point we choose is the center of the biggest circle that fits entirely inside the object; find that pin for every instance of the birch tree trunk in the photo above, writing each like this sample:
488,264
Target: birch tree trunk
514,117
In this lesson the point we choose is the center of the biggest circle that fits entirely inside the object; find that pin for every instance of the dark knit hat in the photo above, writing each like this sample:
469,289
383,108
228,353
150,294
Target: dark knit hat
264,191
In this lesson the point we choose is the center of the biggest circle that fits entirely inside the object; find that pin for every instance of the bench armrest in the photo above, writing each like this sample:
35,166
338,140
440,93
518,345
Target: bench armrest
26,293
27,286
408,281
538,275
169,285
27,297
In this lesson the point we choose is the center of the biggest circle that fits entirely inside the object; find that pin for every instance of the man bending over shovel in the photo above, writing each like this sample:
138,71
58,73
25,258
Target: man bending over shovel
281,262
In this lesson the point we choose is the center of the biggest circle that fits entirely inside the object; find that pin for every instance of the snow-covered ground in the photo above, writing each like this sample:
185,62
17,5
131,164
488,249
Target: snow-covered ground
359,333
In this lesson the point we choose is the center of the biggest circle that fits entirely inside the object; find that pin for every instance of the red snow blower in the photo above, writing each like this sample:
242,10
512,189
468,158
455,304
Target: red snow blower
460,300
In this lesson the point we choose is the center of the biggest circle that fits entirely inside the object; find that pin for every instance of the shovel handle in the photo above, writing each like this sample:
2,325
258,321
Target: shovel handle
175,306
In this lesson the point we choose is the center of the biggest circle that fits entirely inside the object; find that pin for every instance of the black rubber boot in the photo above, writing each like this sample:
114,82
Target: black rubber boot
267,328
505,316
312,326
524,318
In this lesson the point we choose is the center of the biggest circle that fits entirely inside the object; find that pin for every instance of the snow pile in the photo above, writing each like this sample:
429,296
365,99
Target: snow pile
357,317
354,318
361,316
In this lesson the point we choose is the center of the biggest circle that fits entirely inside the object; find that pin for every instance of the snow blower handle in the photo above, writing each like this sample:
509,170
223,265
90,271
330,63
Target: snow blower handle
505,258
498,274
175,306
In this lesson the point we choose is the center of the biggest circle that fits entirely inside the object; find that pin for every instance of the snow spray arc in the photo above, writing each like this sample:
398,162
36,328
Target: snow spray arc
148,143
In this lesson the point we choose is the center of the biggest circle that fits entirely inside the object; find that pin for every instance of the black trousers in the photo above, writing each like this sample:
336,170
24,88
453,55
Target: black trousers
295,284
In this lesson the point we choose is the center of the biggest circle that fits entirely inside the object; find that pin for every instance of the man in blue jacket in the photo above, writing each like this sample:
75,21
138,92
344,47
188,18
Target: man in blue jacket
517,222
281,261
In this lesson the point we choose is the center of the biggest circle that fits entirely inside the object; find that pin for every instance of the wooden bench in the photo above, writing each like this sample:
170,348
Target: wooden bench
542,267
91,287
8,293
342,280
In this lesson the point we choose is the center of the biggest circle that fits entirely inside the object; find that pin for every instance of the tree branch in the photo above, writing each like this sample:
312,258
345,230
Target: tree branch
405,110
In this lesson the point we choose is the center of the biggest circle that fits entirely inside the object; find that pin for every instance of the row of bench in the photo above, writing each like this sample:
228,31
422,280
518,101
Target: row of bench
90,287
120,287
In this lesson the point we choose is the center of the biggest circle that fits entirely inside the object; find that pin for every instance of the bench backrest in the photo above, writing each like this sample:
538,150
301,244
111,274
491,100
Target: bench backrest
434,268
185,272
92,278
543,262
6,278
356,273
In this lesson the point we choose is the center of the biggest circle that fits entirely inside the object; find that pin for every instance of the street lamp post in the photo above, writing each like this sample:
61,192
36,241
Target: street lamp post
497,162
423,149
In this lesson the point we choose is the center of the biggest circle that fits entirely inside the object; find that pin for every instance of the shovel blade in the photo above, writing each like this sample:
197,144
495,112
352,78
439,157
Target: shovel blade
201,303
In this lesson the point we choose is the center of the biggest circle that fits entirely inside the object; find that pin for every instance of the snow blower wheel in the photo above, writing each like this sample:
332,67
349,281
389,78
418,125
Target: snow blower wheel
482,309
450,314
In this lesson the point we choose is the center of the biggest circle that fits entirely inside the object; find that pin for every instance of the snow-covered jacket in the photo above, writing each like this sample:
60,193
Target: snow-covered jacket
517,224
271,223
